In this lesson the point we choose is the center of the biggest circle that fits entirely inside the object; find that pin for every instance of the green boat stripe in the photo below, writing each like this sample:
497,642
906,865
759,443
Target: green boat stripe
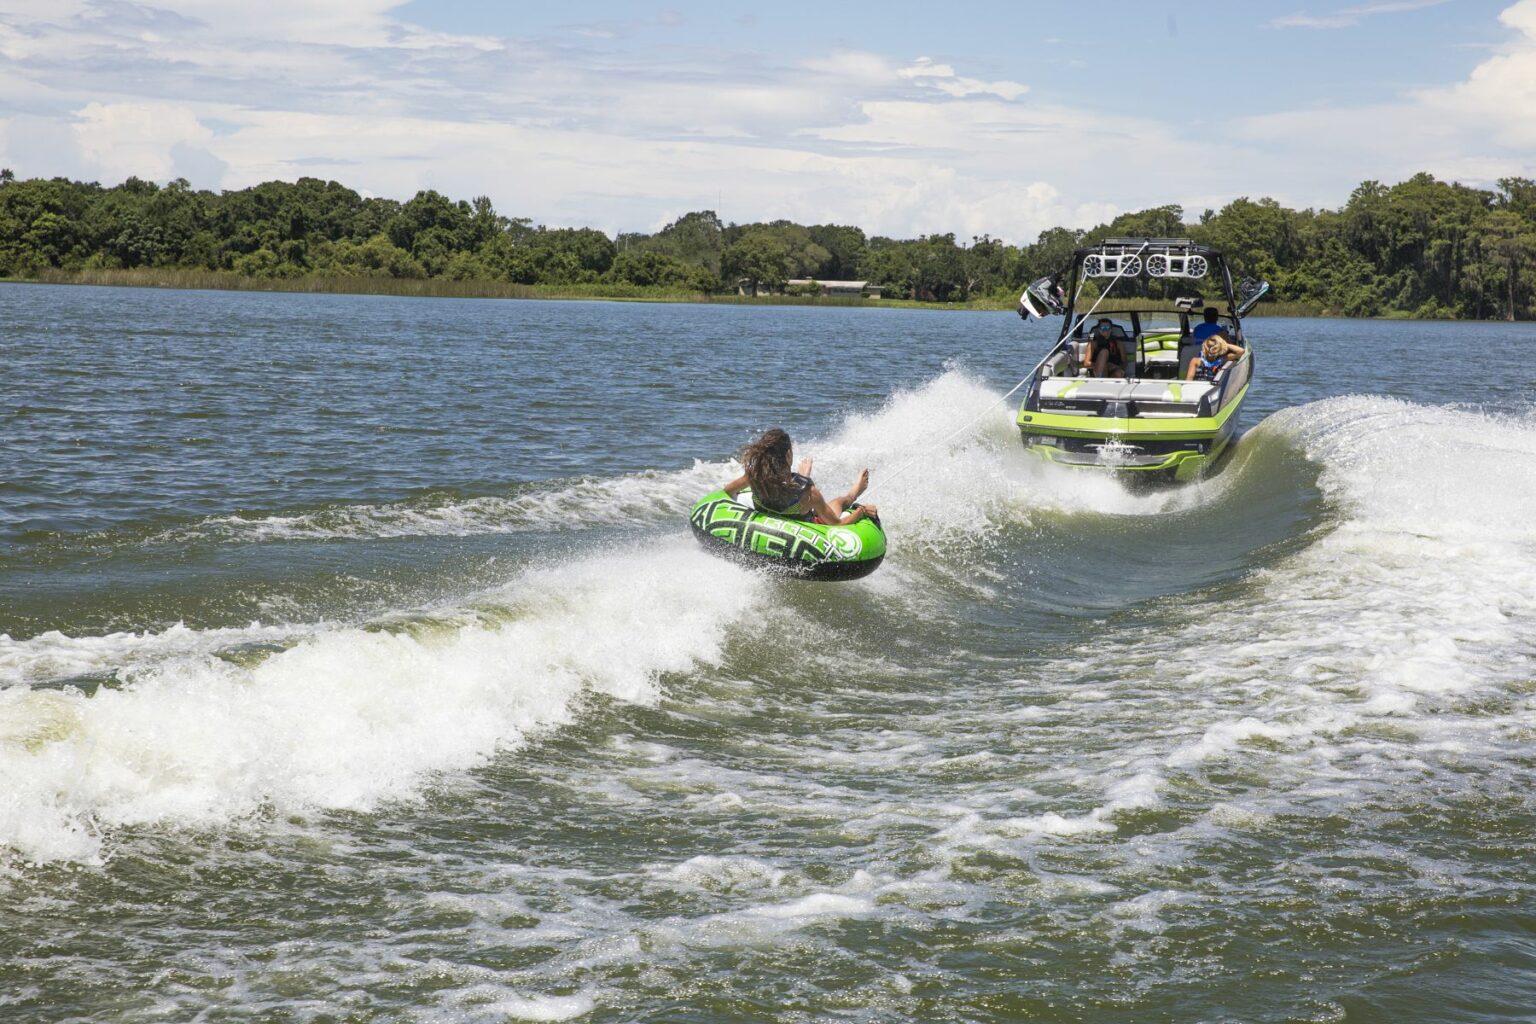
1064,425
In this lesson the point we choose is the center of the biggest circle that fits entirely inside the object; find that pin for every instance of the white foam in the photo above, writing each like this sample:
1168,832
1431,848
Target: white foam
52,656
1331,673
1144,913
647,497
813,907
1428,587
345,717
724,874
1224,737
764,924
499,1006
1139,791
483,995
1421,596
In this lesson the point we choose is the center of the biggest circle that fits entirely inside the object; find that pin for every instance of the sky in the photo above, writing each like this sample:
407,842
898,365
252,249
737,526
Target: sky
1003,118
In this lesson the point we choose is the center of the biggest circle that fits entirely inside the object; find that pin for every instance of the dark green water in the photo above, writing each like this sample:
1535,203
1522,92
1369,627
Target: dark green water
357,665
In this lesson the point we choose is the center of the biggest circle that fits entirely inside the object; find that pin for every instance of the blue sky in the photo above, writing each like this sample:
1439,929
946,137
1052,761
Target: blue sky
1372,54
903,118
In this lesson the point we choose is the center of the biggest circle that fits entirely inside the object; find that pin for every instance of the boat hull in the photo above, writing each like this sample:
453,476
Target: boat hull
1142,449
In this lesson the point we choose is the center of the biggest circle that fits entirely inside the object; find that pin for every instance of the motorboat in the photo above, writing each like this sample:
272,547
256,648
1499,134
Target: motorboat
1154,423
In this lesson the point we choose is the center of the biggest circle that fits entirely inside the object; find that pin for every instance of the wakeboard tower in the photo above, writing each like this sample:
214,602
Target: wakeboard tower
734,529
1152,423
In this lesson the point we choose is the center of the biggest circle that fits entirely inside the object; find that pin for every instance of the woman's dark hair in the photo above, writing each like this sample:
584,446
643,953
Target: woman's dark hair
766,462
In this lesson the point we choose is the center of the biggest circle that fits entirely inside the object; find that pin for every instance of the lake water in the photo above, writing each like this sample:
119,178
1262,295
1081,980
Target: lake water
358,665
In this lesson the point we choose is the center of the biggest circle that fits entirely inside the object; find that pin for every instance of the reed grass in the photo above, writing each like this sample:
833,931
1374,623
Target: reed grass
180,277
177,277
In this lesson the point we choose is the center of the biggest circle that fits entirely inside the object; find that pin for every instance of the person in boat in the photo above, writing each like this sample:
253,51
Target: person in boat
1106,356
1217,349
792,494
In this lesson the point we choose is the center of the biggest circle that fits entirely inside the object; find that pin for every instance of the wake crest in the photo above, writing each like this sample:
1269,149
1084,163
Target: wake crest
199,727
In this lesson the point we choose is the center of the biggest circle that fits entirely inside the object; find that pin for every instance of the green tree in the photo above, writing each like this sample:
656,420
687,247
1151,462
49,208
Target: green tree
939,268
845,247
657,269
41,224
985,265
889,264
759,259
697,238
1341,281
1258,238
550,256
1507,244
375,257
1051,252
1157,222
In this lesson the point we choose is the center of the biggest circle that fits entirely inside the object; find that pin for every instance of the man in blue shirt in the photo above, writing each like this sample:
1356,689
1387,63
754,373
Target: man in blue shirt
1211,327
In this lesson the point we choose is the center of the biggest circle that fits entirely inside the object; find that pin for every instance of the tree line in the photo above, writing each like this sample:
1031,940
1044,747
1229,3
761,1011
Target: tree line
1423,247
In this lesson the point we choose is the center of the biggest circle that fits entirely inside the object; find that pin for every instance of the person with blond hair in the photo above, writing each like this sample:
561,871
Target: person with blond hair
1217,349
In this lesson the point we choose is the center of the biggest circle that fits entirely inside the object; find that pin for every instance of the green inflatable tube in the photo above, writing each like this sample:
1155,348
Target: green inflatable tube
735,530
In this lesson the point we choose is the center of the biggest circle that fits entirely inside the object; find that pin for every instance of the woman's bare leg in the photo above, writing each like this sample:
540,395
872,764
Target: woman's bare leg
858,487
839,504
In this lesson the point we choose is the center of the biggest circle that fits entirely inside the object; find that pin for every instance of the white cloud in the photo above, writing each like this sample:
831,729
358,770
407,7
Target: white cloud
854,66
926,68
581,180
122,139
1348,17
1499,97
626,138
944,78
1475,131
345,23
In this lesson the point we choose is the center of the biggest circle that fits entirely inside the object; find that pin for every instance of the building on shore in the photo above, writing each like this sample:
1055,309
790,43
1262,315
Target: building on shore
861,288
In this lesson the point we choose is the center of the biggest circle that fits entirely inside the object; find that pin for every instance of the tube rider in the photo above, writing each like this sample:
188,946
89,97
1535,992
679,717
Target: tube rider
778,491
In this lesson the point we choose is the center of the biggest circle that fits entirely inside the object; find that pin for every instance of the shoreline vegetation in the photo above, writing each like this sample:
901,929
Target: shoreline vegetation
437,288
1420,249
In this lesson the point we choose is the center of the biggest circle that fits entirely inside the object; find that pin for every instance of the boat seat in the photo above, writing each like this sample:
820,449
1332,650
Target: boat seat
1189,351
1160,341
1127,349
1118,390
